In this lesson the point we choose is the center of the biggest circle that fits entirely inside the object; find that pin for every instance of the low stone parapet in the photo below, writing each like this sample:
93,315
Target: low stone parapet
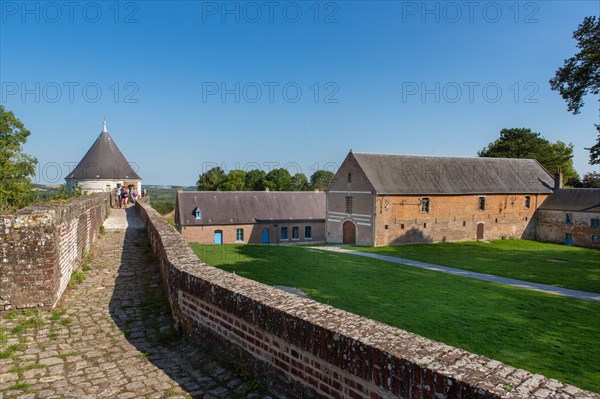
41,247
306,349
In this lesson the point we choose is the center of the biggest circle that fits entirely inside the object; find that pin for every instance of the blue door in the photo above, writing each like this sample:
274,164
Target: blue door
265,236
569,239
218,237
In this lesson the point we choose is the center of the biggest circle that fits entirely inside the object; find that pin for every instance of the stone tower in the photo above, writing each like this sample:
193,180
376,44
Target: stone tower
103,168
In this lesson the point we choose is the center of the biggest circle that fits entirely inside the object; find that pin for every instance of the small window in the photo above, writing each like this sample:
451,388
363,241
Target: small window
197,214
594,239
239,235
464,223
386,227
595,223
527,201
349,177
425,205
569,218
308,232
348,205
295,233
402,226
284,233
481,204
424,225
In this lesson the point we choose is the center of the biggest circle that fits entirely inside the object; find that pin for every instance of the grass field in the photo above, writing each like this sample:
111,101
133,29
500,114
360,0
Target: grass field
553,264
546,334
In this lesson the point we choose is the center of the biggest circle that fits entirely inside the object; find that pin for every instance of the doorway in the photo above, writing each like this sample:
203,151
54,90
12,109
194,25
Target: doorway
218,238
265,236
349,235
480,231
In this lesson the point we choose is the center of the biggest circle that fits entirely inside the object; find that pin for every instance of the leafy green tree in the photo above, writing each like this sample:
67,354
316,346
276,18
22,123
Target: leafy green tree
523,143
281,180
211,179
591,180
580,74
300,182
256,180
234,181
595,150
16,167
320,179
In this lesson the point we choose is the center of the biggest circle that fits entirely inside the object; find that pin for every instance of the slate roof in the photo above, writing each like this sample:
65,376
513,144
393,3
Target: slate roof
428,175
104,160
247,207
573,199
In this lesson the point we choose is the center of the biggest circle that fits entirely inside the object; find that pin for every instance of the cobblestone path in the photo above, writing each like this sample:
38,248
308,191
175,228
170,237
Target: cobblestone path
111,336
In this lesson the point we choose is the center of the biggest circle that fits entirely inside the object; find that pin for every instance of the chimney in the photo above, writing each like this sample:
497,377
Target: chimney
558,179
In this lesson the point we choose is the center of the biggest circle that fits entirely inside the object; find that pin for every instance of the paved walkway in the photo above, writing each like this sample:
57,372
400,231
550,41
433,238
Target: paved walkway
111,336
586,296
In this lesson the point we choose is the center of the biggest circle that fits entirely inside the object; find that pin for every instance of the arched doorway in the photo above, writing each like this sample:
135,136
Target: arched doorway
480,231
349,233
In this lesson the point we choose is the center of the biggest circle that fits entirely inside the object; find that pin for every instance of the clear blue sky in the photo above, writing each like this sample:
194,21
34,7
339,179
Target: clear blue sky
186,85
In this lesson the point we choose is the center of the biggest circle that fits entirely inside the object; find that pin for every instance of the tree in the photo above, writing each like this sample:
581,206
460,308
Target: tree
580,74
591,180
281,180
234,181
300,182
523,143
211,179
16,167
320,179
256,180
595,150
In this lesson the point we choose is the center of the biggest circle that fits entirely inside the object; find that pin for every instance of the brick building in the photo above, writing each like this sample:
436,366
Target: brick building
571,216
103,168
250,217
378,199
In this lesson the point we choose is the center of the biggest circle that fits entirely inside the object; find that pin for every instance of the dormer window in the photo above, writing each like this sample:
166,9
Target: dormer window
197,213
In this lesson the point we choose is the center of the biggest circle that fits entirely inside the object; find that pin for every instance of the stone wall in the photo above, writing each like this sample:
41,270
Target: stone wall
306,349
552,226
42,245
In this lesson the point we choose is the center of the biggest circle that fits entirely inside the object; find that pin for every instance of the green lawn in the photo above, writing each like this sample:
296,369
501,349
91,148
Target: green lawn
520,259
546,334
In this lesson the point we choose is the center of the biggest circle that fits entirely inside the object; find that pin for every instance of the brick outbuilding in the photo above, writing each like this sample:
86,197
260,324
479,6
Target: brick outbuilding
381,199
251,217
571,216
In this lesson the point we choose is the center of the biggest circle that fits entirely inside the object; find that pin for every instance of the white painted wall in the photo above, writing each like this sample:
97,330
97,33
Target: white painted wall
99,186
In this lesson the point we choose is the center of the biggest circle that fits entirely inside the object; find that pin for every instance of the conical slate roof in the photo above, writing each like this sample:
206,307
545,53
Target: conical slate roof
104,160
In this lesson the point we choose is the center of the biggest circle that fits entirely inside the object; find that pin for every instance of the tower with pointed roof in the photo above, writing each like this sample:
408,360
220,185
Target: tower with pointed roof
103,168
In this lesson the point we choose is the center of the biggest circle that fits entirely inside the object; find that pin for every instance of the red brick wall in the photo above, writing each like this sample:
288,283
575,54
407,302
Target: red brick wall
363,199
306,349
453,218
252,233
41,247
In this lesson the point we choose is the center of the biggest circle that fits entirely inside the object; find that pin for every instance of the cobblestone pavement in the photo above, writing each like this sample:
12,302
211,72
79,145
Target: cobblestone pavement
111,336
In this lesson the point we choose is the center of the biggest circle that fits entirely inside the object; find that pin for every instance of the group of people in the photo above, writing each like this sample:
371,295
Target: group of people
123,196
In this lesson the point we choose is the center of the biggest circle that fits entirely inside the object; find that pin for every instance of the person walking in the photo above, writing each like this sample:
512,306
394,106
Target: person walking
122,202
125,198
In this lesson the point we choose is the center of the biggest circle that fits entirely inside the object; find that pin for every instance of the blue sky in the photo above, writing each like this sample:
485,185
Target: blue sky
189,85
